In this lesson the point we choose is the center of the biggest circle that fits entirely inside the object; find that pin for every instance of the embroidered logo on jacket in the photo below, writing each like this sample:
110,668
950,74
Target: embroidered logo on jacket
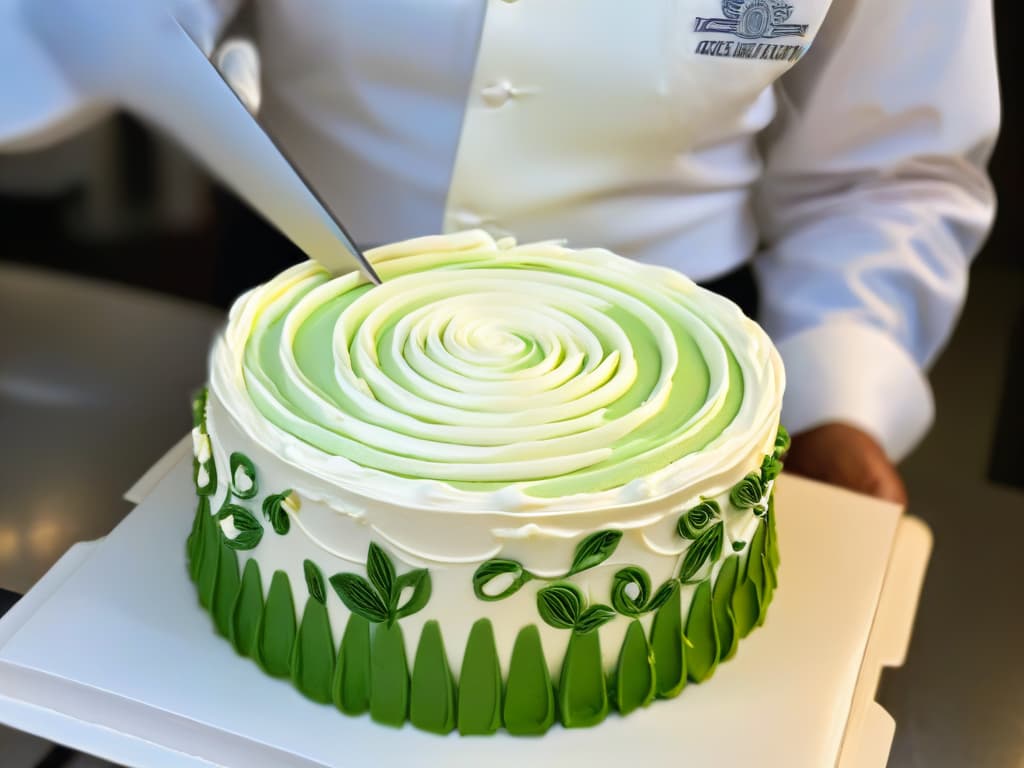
752,20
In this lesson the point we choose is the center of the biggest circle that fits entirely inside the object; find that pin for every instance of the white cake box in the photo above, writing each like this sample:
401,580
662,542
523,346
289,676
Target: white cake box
110,653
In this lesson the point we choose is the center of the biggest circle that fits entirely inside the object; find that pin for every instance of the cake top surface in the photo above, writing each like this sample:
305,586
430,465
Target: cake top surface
485,374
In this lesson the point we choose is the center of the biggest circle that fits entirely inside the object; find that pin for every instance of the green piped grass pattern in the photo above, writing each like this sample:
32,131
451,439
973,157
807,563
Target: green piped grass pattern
369,670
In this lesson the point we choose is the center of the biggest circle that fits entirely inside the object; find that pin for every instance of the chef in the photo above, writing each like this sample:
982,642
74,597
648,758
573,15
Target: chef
838,148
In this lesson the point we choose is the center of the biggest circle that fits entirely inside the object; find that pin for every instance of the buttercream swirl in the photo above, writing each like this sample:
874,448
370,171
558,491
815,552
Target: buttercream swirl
479,367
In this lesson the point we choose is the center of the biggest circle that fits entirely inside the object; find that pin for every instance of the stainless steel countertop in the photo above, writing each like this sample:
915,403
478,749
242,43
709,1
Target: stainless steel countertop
94,386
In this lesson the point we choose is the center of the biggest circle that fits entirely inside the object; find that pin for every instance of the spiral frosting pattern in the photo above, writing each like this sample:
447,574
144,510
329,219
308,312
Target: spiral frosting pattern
484,365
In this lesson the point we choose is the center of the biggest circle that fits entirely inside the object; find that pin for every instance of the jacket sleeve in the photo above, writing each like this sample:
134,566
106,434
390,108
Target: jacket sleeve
873,202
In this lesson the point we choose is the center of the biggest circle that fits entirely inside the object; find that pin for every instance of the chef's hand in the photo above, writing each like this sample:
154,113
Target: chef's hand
845,456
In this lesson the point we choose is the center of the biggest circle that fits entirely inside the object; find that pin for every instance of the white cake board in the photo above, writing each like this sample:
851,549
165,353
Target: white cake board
111,654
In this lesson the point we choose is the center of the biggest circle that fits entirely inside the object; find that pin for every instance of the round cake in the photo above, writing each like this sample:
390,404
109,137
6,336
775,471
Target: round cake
511,486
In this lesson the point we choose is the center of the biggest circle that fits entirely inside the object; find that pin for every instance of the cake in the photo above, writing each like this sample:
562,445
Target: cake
511,486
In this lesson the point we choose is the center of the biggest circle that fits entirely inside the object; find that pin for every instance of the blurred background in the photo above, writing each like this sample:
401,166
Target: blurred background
118,258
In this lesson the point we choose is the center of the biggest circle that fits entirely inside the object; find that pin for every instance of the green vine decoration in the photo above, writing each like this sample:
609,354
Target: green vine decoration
243,476
563,606
706,547
199,408
748,492
590,552
594,550
206,469
370,671
771,468
697,519
377,600
637,604
242,481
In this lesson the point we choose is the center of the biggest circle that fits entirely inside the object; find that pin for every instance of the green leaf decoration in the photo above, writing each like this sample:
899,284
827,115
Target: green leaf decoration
277,628
195,544
313,654
382,574
769,557
274,511
667,647
621,583
746,604
247,610
529,698
359,597
479,709
350,688
209,562
226,590
755,565
594,550
377,599
315,581
770,574
419,581
769,591
782,442
748,492
707,546
771,468
756,571
721,608
249,529
738,545
702,656
592,618
199,408
697,519
582,690
491,570
634,676
194,541
389,676
773,539
432,695
560,605
247,487
665,591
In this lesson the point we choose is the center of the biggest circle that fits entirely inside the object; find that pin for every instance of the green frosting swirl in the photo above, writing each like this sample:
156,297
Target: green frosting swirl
563,371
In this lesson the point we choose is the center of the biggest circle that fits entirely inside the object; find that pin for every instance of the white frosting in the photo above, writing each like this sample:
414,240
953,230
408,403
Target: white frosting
200,446
243,483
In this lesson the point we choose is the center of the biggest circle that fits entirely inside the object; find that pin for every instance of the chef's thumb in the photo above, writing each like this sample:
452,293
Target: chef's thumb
239,63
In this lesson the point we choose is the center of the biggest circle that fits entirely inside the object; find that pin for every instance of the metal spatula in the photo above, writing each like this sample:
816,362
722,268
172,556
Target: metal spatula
138,56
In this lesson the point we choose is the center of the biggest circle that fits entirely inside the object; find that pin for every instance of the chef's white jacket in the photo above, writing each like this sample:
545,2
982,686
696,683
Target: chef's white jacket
840,146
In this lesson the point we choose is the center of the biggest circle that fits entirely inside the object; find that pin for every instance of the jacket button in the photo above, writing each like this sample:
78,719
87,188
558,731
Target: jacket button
497,94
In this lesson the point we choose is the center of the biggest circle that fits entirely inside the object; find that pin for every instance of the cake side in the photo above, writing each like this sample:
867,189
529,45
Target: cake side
438,585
